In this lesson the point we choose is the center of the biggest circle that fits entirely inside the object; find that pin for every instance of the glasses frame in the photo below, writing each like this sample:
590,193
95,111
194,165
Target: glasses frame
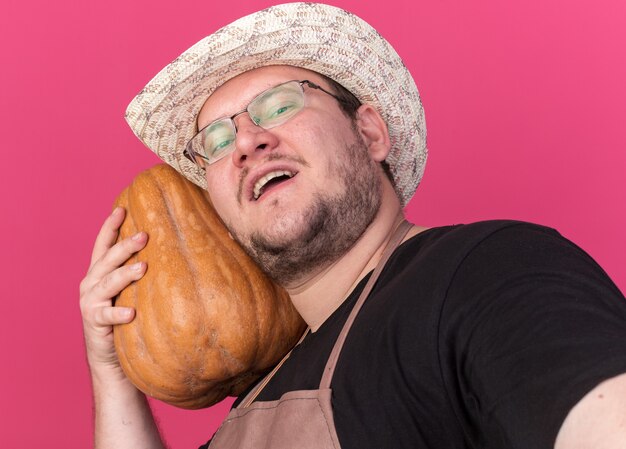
191,154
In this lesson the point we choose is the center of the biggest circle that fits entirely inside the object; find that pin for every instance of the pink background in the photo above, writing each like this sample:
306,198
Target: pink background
525,104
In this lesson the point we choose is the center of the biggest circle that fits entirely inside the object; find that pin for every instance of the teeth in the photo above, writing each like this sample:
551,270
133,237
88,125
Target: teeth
267,178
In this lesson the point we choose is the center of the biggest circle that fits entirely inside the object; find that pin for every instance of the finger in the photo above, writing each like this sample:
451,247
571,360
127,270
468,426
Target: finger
110,316
108,234
116,256
114,282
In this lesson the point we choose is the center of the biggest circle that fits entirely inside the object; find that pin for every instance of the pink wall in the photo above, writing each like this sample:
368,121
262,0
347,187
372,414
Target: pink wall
525,103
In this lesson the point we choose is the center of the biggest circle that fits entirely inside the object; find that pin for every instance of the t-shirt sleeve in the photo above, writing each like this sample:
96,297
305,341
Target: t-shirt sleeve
530,324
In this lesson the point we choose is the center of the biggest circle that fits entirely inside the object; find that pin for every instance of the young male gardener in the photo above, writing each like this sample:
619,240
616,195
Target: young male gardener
308,133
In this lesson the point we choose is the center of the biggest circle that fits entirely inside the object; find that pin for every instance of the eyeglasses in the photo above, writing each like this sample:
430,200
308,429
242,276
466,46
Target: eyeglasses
269,109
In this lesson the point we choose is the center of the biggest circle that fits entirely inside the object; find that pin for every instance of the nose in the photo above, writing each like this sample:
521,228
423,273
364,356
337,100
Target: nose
251,140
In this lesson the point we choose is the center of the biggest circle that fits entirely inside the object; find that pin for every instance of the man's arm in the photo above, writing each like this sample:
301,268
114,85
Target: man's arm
538,325
598,421
123,418
122,415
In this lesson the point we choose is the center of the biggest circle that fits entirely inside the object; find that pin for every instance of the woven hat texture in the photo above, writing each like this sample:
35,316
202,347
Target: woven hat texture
318,37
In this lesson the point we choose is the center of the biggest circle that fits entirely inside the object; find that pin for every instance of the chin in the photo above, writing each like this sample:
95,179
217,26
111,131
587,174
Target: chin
300,242
284,229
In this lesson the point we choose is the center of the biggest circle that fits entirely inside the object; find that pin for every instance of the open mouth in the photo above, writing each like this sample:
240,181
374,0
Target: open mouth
270,180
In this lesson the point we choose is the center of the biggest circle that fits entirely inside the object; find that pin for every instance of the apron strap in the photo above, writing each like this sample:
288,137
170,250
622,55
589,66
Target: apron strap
250,397
396,239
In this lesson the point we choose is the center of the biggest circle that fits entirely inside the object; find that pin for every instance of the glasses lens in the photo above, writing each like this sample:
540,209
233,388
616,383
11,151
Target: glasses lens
214,141
277,105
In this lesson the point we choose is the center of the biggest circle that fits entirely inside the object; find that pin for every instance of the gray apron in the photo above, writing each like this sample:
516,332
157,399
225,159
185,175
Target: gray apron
299,419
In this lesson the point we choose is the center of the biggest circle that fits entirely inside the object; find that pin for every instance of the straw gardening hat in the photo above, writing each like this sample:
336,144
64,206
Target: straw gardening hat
317,37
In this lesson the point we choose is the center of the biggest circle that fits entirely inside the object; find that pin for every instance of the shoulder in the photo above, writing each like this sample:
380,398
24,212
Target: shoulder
463,238
447,249
515,250
521,264
497,243
466,237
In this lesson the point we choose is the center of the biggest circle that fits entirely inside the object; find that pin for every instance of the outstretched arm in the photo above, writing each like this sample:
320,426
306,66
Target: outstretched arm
598,421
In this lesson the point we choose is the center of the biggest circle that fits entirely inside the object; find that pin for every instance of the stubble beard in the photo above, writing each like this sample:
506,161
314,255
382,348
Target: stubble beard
330,227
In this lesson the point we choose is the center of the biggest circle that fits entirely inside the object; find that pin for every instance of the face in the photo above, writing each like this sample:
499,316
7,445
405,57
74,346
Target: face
297,196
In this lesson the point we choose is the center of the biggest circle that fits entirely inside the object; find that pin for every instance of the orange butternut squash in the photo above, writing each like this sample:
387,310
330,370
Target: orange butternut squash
208,321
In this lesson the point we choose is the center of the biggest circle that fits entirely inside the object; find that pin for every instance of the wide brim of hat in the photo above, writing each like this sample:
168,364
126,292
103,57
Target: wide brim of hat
317,37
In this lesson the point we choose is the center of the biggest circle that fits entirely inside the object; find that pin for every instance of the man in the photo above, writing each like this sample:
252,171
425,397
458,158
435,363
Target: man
491,335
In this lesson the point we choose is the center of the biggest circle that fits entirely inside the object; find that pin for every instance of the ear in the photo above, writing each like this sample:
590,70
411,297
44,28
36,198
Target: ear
374,132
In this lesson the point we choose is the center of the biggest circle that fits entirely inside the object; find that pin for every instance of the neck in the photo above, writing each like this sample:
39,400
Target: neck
319,294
